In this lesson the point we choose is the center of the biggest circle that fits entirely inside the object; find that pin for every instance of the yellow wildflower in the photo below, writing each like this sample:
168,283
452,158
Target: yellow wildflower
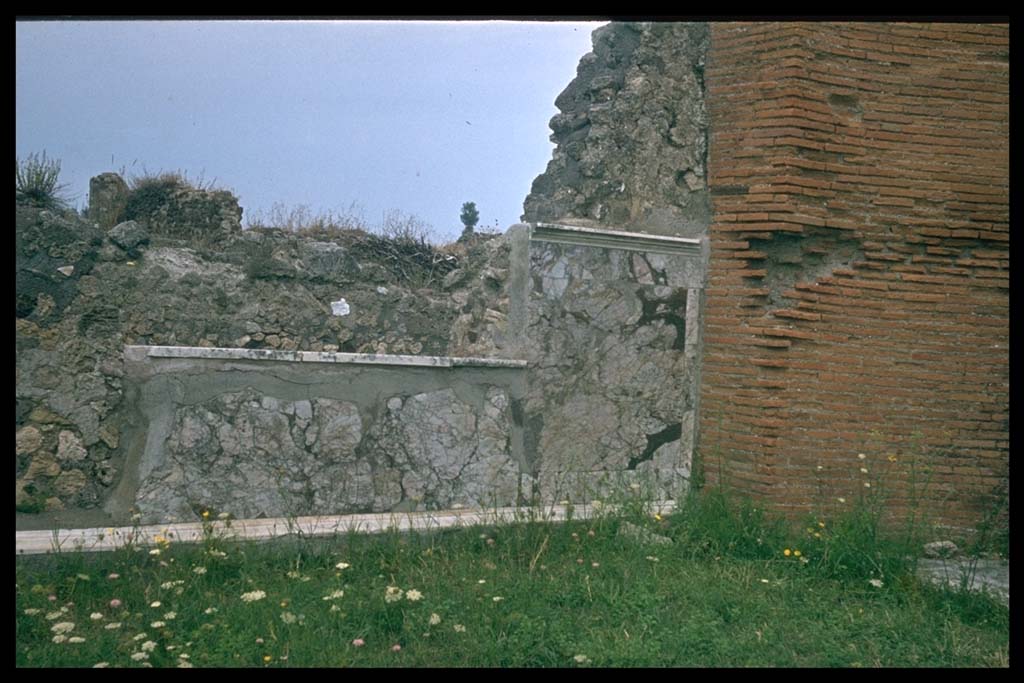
787,552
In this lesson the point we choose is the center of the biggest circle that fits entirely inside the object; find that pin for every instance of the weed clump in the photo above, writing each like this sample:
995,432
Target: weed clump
35,182
150,192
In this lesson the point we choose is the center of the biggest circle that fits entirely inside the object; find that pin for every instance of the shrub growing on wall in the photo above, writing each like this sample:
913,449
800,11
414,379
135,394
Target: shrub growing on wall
35,182
150,192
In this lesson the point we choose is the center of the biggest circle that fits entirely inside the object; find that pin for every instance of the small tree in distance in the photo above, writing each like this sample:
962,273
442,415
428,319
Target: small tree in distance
469,217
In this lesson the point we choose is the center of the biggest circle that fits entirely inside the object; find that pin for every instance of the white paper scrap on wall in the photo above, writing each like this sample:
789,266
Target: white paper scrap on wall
340,307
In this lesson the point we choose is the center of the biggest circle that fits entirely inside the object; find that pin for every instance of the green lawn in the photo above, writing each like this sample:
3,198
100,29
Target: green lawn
577,594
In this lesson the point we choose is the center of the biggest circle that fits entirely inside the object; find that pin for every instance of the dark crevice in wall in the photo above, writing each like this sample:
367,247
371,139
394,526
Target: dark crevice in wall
670,310
655,441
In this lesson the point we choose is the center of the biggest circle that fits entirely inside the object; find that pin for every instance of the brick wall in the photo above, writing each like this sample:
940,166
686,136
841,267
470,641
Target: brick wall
858,291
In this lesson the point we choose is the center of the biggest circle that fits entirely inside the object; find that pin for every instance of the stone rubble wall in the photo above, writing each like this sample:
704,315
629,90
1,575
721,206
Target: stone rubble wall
631,135
83,293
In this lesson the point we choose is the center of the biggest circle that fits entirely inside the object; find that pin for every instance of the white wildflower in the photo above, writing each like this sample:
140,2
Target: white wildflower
139,636
253,596
581,659
76,639
171,616
497,598
59,638
459,628
861,456
63,627
210,610
155,604
413,595
148,646
96,616
877,583
288,617
140,656
113,626
184,664
199,570
435,619
334,595
32,611
342,565
158,624
393,594
101,665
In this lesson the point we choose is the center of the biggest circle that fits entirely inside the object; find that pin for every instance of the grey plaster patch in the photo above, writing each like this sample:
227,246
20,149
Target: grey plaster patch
262,439
449,452
989,576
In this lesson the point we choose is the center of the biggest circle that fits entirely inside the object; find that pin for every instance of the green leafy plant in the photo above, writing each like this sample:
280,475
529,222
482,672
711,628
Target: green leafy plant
469,217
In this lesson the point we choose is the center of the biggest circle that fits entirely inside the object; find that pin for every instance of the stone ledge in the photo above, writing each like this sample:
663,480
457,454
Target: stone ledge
98,540
614,239
139,353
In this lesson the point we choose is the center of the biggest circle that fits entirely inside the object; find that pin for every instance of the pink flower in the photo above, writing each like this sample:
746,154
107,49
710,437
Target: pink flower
51,598
115,603
113,576
358,642
396,647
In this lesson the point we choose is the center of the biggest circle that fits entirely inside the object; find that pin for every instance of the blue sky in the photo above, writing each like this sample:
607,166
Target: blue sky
415,116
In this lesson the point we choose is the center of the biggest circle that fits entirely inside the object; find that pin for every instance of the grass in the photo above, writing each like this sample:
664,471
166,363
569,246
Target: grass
35,182
517,595
150,191
401,243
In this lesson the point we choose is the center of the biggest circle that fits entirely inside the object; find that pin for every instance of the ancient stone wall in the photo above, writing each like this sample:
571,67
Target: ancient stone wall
608,323
287,434
83,294
851,179
858,294
631,135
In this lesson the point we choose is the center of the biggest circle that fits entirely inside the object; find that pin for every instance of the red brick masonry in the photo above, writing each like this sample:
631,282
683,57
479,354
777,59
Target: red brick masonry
858,296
